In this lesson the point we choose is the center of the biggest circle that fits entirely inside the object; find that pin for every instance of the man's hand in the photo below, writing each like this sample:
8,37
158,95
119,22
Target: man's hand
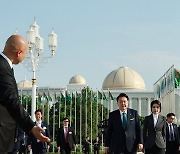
106,150
15,140
58,148
140,147
36,131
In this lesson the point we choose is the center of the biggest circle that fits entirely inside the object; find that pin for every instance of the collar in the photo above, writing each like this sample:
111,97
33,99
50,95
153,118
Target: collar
170,124
39,122
8,60
123,112
155,116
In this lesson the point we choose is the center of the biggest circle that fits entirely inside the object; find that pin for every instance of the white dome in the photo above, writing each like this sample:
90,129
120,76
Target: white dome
24,84
123,78
77,79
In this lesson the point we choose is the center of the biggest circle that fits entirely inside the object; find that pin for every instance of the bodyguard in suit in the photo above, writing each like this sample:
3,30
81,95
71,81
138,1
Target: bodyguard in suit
36,145
97,144
172,135
66,138
11,110
17,140
154,130
86,145
23,144
124,133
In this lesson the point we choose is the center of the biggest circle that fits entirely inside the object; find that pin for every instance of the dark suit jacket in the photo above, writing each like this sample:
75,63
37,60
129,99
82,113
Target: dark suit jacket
176,135
117,138
96,145
11,110
154,135
39,145
61,138
86,146
19,136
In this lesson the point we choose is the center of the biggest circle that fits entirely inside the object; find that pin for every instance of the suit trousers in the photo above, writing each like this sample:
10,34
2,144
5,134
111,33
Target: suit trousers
38,149
123,153
66,150
96,151
171,148
155,150
23,149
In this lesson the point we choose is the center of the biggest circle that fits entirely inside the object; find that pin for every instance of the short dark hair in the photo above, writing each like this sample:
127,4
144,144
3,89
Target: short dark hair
156,102
65,118
38,110
170,114
122,95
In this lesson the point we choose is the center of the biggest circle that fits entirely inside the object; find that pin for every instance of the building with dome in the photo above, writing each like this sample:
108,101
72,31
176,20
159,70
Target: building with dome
122,79
24,84
130,82
76,82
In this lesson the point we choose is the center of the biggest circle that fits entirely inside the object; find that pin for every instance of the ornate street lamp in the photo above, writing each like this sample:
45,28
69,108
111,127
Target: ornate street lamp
35,58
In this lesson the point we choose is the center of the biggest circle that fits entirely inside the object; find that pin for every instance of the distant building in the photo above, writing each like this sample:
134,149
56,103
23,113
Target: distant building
24,84
76,83
167,90
130,82
119,80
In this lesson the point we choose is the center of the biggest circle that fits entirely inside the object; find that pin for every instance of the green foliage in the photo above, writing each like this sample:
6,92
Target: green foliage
83,99
142,121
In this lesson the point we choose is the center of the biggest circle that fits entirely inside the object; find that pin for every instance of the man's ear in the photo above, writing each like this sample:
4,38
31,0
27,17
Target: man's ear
18,52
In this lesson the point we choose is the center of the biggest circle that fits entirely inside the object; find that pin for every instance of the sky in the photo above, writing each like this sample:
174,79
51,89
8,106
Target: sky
96,37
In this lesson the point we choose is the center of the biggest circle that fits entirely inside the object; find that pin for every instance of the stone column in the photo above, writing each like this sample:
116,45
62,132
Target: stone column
149,106
130,102
139,106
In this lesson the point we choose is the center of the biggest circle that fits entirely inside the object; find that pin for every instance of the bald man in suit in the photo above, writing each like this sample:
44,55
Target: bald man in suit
11,110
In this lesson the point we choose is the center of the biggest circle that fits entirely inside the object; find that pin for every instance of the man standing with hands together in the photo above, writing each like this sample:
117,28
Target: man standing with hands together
66,138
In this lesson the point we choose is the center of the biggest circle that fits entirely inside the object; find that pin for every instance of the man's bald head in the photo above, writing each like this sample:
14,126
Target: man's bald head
16,48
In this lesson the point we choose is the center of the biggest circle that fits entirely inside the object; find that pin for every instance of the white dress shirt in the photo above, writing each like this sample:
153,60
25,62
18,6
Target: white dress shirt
121,113
38,123
155,117
8,60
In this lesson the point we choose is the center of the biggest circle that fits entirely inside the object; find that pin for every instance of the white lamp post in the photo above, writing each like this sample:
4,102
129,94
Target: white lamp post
35,58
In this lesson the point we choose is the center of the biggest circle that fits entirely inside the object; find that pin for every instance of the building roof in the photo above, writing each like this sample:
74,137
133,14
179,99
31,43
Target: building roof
77,79
123,78
24,84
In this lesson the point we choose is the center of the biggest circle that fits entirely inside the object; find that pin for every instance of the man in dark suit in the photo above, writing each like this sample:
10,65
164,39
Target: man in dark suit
172,135
124,133
66,138
86,145
37,146
17,140
23,143
11,110
97,144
